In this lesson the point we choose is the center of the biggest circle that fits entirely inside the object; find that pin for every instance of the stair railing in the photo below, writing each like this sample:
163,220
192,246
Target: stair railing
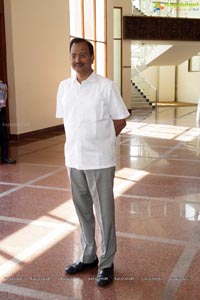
146,7
169,8
148,89
140,54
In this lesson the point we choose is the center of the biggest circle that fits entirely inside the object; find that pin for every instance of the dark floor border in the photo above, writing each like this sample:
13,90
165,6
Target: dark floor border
39,134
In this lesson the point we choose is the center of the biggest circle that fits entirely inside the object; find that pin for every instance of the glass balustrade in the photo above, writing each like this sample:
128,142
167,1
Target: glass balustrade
141,52
168,8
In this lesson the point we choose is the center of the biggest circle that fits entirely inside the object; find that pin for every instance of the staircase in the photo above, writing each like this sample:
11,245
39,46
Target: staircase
145,54
136,11
138,99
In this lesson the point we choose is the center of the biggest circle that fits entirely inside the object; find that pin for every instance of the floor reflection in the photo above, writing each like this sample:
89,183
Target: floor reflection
157,200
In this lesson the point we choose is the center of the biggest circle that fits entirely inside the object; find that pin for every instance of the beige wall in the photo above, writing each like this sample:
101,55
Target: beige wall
163,80
188,84
166,91
37,59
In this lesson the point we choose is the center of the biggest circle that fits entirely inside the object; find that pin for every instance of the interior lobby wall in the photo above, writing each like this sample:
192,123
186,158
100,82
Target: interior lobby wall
37,60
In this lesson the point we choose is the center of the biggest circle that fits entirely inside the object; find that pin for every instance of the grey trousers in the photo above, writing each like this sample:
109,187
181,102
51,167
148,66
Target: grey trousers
95,187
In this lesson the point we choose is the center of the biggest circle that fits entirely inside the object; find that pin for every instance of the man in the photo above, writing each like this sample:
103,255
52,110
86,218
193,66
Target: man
3,126
94,114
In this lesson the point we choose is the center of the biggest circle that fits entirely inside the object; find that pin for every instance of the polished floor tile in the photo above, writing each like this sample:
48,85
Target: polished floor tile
23,173
157,207
58,180
189,287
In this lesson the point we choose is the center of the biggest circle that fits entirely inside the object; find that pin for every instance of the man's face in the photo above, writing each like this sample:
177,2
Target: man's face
81,59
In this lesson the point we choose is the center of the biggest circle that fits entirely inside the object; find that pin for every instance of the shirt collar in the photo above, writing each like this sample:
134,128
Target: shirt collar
91,78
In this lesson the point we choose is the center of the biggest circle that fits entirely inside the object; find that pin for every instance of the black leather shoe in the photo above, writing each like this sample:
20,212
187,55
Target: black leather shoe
8,161
105,276
79,267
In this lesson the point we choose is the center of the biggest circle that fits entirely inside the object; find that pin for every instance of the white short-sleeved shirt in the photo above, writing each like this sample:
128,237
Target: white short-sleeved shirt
88,110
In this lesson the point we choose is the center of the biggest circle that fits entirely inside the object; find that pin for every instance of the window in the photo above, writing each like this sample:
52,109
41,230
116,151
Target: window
88,20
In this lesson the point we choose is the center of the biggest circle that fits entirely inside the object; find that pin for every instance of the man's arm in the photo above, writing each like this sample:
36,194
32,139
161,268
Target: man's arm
119,125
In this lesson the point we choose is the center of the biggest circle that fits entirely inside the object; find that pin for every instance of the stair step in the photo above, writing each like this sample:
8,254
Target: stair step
138,99
141,104
137,92
138,96
141,107
137,12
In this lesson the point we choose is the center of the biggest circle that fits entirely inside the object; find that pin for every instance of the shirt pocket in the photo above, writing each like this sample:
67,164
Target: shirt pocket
95,110
95,124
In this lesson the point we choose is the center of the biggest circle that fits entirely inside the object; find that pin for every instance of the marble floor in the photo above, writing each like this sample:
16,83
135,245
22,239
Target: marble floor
157,198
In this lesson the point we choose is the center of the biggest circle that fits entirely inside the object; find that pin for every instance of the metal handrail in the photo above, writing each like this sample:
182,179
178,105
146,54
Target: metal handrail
145,85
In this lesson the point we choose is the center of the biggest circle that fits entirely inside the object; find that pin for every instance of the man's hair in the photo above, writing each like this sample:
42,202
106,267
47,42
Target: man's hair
80,40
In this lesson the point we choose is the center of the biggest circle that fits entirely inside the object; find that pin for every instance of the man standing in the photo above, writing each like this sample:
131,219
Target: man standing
3,126
94,114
